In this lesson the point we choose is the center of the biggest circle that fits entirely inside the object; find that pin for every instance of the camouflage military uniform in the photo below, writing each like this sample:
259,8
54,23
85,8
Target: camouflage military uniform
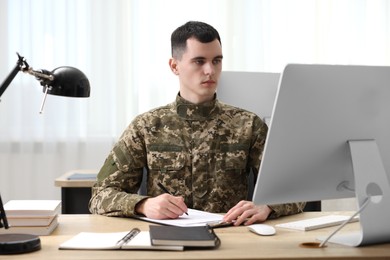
201,152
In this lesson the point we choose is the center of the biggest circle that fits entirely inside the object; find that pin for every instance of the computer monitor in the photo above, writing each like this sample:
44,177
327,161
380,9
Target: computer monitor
329,138
253,91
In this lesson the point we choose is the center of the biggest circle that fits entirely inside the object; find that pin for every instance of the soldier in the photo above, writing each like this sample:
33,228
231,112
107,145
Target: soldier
199,148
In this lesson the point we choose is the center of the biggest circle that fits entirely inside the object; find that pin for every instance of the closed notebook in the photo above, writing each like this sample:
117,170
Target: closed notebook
200,236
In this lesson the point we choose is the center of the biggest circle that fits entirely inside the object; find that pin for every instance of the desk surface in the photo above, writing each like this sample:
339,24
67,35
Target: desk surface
236,242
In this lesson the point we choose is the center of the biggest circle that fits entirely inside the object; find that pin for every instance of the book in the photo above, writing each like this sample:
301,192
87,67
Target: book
31,221
199,236
135,239
32,208
194,218
33,230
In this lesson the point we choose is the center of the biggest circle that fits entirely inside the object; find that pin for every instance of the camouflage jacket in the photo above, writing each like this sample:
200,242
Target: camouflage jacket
201,152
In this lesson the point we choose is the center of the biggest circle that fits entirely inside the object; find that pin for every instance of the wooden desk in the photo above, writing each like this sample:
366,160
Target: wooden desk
75,194
236,242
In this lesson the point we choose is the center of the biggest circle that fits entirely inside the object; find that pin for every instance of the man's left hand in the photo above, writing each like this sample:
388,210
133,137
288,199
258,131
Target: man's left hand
247,213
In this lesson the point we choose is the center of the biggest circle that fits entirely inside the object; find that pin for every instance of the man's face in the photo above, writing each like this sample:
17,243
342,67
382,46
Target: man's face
199,69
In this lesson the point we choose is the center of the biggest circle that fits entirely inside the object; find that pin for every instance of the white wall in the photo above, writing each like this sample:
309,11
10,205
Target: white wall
34,168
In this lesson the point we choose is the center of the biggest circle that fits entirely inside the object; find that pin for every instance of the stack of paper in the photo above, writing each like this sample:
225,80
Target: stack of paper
194,218
36,217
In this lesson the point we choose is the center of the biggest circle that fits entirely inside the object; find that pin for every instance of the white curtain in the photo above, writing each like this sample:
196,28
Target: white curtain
123,47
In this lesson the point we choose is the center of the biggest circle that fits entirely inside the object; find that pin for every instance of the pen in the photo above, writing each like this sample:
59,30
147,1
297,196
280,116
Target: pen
166,191
163,188
220,224
129,236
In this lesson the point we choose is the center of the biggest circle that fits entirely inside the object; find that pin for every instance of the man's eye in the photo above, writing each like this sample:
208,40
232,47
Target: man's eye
217,61
199,62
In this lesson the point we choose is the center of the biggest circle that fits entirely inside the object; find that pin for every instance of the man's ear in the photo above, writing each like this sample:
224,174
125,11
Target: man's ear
173,66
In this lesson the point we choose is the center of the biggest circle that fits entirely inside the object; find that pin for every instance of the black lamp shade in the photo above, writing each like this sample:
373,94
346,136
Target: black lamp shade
69,82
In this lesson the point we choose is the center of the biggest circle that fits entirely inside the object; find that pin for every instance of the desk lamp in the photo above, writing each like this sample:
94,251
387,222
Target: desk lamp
62,81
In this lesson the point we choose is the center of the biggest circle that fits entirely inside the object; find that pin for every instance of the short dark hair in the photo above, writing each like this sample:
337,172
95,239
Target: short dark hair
201,31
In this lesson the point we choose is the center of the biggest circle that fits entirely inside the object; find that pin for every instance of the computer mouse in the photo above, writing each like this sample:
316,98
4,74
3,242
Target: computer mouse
262,229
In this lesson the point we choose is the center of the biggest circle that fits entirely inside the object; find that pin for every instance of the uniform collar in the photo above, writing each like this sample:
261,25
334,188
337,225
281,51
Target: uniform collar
190,111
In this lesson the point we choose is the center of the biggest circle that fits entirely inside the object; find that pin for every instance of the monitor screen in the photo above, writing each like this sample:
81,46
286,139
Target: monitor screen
319,110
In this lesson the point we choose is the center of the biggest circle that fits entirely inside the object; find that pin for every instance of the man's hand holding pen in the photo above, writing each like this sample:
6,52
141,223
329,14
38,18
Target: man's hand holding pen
164,206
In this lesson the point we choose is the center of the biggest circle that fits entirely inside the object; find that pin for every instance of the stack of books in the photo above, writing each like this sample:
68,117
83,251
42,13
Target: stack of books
36,217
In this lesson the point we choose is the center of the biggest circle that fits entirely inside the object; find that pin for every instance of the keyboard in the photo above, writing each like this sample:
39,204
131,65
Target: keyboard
316,223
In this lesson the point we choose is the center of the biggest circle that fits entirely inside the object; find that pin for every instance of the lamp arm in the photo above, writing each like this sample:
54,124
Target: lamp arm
9,79
40,75
21,64
3,217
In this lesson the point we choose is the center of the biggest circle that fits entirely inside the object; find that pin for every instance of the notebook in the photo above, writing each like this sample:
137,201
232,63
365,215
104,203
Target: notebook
83,176
199,236
135,239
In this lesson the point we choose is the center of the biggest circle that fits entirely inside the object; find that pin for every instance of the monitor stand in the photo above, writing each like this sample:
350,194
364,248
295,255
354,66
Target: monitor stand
371,181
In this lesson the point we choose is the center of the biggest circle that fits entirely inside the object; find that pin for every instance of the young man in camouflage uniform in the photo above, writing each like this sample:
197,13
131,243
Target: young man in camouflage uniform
199,148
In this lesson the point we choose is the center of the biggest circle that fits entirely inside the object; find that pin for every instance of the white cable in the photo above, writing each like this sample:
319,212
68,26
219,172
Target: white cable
365,203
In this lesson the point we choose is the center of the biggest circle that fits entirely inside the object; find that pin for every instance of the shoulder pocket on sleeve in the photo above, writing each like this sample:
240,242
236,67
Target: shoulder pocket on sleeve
123,158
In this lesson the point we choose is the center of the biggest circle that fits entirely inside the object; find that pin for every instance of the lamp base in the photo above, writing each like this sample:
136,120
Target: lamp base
18,243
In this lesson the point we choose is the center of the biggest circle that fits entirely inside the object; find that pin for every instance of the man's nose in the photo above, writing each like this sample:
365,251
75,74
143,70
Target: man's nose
209,68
